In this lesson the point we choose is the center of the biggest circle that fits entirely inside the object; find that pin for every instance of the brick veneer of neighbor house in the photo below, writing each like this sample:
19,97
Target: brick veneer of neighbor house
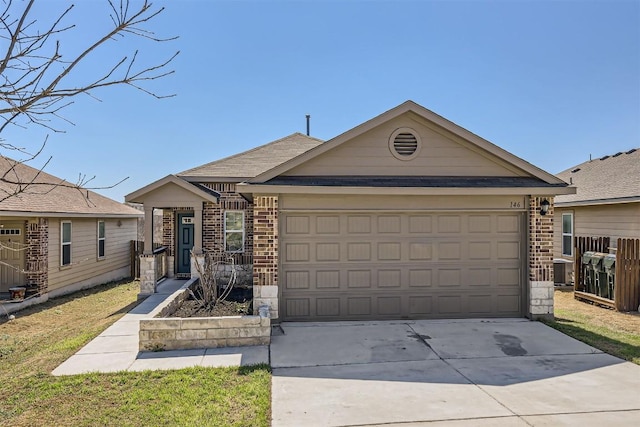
540,260
265,253
37,256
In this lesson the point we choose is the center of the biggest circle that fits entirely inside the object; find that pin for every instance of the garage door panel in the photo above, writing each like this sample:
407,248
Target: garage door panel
297,252
328,279
420,278
389,306
358,306
389,278
297,279
360,251
359,278
390,265
328,224
358,224
328,251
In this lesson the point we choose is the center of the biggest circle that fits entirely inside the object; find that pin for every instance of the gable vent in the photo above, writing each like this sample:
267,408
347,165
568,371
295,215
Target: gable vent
405,144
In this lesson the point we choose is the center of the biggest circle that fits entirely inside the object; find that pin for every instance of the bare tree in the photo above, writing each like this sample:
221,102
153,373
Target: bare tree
38,81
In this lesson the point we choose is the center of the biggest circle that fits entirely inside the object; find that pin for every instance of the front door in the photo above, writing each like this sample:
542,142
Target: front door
185,244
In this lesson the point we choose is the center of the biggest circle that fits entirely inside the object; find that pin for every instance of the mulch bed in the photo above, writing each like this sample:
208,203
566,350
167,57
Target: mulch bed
238,303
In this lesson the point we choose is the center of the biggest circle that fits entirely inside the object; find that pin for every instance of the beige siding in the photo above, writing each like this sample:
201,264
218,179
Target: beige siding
85,266
613,221
442,154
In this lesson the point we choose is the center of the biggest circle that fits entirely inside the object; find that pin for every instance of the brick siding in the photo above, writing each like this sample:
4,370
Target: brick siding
37,256
540,259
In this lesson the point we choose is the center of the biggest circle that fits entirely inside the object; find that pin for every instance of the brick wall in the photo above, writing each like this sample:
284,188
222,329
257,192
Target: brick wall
37,240
540,259
168,222
265,253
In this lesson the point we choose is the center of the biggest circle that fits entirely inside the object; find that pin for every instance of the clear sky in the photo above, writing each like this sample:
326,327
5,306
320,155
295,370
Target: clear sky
550,81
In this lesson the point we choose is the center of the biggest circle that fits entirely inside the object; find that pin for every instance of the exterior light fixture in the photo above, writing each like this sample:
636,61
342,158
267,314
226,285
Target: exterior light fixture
544,207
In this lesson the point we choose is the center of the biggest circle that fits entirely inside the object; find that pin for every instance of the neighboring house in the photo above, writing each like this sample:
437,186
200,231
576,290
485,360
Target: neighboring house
606,204
405,216
57,238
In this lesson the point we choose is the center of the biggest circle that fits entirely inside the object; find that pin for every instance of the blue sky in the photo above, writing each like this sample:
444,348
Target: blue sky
550,81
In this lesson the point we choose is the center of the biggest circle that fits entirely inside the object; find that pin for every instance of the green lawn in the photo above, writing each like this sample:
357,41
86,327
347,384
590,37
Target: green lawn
42,337
605,329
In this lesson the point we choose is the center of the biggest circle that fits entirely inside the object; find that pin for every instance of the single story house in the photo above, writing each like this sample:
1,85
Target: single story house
405,216
606,204
56,238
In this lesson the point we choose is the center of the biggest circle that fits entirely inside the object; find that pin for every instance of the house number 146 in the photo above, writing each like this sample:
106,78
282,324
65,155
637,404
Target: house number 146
516,204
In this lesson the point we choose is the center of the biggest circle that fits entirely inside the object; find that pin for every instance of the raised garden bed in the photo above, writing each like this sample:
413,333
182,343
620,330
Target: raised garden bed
177,333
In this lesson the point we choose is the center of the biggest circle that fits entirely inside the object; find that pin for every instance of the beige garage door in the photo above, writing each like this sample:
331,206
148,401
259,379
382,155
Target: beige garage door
359,265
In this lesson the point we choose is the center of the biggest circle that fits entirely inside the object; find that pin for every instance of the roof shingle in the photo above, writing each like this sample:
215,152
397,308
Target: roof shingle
604,180
51,195
255,161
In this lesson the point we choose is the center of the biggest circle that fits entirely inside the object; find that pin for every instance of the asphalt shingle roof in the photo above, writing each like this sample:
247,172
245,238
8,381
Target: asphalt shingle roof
255,161
49,194
607,179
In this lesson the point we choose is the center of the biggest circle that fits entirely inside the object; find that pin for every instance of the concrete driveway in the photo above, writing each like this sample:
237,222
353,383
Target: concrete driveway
446,373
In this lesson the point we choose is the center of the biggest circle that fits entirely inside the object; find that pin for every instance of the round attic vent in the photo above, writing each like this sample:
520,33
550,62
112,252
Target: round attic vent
404,144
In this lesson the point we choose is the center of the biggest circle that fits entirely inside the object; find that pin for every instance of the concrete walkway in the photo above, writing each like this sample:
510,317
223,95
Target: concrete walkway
116,349
469,373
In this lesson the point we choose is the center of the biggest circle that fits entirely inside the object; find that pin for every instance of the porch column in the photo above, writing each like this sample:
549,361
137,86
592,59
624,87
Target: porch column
197,230
540,260
148,230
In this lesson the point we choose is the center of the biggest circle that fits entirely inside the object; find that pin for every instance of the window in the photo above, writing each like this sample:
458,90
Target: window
101,239
234,231
567,234
65,243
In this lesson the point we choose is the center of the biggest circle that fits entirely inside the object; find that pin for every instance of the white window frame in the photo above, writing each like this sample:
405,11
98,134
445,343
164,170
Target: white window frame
564,234
242,231
63,243
102,239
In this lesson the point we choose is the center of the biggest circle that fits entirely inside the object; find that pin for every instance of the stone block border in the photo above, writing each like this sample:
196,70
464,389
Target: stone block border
172,333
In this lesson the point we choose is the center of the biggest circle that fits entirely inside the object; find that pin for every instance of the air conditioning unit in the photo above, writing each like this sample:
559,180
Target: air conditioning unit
562,271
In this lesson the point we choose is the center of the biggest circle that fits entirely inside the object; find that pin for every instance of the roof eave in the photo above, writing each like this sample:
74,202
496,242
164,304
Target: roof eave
248,190
138,195
50,214
596,202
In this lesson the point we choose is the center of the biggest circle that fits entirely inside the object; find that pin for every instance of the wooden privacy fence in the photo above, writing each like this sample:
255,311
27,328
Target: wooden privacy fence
626,284
627,290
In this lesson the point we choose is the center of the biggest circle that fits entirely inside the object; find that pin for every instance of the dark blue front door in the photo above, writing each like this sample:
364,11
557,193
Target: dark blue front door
185,242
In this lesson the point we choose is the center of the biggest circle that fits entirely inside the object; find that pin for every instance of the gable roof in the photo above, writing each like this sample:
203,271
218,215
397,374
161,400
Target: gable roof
51,196
193,188
609,179
409,106
253,162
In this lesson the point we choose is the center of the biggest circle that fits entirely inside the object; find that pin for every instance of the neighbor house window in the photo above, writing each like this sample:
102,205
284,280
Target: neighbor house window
101,239
65,243
234,231
567,234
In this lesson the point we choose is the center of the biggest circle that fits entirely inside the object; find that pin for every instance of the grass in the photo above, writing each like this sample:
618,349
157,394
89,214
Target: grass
42,337
603,328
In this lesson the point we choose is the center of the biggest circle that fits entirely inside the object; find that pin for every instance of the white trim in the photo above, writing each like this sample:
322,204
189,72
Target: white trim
563,234
247,188
224,221
63,243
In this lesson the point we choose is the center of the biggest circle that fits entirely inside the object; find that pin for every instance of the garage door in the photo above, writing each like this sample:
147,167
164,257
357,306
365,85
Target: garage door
363,266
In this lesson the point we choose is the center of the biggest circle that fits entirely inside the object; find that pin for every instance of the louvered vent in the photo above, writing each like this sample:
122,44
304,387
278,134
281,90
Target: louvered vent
405,144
